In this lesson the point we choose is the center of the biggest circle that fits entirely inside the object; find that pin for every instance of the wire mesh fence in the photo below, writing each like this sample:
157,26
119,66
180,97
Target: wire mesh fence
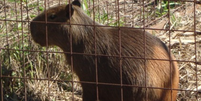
30,72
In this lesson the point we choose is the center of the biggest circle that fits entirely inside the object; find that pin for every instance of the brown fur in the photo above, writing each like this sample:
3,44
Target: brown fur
144,58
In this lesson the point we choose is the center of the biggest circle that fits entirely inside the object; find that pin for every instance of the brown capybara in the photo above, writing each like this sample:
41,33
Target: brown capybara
113,63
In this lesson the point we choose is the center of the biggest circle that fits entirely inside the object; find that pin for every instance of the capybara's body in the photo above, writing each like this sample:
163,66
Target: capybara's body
113,64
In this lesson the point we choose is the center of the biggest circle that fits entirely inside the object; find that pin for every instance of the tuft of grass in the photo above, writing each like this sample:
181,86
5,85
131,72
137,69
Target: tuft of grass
160,11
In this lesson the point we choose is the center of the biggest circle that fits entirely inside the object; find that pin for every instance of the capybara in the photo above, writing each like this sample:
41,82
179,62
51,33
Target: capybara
112,63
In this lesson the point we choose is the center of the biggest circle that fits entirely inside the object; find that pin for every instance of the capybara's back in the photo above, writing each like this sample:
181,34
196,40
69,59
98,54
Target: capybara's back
114,64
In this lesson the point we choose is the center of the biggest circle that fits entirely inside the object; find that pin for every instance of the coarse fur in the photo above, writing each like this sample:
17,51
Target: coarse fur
121,63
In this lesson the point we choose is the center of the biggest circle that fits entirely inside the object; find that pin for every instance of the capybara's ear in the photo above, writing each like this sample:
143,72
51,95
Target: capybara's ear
76,3
69,11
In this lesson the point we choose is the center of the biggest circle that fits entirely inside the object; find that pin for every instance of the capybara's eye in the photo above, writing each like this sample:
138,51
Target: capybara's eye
52,16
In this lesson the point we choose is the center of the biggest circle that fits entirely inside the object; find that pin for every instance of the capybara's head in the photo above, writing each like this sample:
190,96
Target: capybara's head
51,26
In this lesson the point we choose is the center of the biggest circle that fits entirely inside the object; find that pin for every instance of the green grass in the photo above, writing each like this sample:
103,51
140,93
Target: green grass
165,7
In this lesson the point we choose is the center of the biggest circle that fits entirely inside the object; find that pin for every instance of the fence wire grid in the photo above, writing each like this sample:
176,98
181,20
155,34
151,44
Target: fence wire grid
29,72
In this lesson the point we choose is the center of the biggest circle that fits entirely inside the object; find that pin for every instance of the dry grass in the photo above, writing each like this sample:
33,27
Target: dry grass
39,74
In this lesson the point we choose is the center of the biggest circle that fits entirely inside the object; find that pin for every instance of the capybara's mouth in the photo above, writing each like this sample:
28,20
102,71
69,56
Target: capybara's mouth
37,35
39,38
